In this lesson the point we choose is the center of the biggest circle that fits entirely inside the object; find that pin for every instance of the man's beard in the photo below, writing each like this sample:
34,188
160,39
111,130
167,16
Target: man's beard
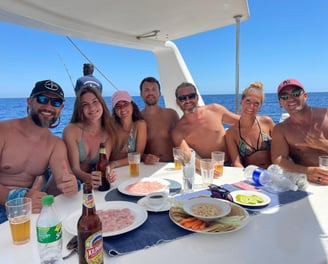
151,102
190,111
42,122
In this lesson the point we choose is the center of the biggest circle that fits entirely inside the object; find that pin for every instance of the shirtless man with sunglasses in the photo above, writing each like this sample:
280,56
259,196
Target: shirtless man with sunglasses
299,140
201,127
28,148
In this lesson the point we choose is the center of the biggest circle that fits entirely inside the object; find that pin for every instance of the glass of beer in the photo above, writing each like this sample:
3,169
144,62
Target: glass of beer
134,163
19,213
218,159
177,158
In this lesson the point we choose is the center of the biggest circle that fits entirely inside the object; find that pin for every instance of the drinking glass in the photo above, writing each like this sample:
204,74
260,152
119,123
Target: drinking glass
134,163
218,158
19,213
189,171
177,158
207,171
323,162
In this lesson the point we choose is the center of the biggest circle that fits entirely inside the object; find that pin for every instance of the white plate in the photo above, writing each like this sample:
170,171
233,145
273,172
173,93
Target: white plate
165,207
70,222
122,187
266,198
241,212
224,207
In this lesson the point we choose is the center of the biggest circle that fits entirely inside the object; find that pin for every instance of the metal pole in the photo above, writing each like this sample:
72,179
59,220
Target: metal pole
237,18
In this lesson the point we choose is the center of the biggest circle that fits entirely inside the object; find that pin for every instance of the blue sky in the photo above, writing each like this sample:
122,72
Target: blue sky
281,39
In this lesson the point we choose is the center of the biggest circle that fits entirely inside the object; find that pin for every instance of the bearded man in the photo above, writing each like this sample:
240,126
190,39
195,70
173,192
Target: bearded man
201,127
28,148
160,122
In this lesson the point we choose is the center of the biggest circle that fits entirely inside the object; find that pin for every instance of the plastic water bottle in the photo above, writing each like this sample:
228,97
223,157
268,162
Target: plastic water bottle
270,180
298,179
49,233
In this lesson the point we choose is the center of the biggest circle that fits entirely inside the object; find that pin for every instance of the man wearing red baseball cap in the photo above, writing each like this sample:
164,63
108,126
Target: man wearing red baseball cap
300,139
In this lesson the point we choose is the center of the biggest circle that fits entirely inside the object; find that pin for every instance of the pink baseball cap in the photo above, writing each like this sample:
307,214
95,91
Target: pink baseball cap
120,96
289,82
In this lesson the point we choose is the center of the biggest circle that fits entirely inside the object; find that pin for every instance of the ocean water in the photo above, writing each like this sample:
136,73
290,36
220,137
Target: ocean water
17,107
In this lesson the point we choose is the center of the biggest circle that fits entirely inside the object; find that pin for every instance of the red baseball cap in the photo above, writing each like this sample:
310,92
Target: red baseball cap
289,82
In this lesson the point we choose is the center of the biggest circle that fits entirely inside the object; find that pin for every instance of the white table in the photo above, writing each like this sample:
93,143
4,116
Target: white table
294,233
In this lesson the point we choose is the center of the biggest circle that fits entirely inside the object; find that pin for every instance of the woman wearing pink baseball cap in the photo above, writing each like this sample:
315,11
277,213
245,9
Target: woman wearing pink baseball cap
131,128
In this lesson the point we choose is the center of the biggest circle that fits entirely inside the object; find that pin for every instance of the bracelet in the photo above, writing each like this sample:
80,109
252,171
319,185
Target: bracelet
17,193
115,164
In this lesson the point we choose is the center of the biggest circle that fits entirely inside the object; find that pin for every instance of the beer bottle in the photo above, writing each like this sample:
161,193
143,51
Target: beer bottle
102,167
89,230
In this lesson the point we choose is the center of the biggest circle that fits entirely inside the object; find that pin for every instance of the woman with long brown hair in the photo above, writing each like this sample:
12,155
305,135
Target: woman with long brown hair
91,124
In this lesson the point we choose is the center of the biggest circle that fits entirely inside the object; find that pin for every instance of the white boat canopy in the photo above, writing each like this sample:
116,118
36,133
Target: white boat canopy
141,24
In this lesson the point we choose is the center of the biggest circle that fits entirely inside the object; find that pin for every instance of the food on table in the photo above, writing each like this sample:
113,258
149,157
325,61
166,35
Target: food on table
115,219
228,223
178,214
206,209
193,223
144,187
249,199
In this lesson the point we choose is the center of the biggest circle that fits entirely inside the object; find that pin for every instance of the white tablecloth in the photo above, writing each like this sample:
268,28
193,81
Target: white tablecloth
293,233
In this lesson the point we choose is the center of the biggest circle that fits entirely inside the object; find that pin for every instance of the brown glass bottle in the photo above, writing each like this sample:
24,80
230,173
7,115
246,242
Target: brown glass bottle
89,230
102,167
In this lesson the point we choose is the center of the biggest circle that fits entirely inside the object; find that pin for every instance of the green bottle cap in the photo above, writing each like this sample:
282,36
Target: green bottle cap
47,200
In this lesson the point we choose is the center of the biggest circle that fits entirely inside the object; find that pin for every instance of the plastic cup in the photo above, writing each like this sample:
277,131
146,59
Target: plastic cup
19,214
323,162
134,163
177,158
207,171
218,158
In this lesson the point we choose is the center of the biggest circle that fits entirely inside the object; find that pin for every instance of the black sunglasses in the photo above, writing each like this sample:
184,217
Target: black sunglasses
220,192
42,99
295,93
183,98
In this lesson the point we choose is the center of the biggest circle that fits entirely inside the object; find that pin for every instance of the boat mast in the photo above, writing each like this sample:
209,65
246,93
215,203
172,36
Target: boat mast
237,18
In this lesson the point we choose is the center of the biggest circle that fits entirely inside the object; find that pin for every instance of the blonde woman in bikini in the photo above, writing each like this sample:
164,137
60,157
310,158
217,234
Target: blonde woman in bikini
249,141
91,124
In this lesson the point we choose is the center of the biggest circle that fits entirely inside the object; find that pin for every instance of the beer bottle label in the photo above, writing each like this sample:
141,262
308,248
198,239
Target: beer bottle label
49,234
88,200
94,252
102,151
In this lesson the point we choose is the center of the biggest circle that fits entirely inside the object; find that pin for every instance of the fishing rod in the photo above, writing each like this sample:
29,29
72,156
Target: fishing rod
81,52
62,61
